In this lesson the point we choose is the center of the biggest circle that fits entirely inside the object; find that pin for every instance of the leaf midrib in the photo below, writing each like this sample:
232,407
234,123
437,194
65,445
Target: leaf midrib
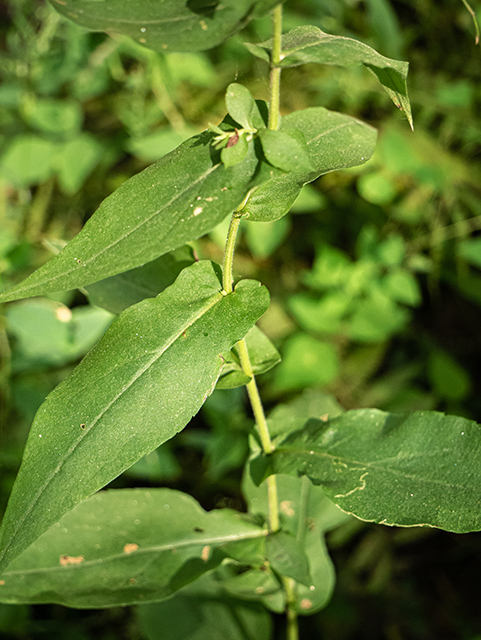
156,549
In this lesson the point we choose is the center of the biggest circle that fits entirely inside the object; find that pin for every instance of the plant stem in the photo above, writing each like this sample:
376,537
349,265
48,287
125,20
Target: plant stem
292,626
274,118
227,276
275,72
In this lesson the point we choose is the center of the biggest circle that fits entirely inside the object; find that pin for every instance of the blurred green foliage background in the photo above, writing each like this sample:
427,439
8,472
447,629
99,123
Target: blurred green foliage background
374,275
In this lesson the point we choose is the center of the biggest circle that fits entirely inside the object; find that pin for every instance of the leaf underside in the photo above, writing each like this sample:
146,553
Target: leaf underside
127,546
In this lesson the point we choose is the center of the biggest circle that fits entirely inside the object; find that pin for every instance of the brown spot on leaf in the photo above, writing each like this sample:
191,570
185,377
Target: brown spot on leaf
133,581
82,426
233,140
2,582
286,509
205,553
66,560
306,604
130,547
325,417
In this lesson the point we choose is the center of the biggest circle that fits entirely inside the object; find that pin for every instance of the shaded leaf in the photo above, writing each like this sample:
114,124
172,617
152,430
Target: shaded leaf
139,386
334,141
125,289
126,546
204,611
309,44
414,470
165,26
287,558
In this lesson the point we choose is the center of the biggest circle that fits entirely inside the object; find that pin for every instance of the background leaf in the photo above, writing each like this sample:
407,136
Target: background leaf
125,546
141,384
415,470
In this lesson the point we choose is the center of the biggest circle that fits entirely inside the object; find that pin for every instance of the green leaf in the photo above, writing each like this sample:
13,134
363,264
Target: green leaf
306,512
309,44
263,238
334,141
75,160
28,160
49,333
120,292
263,355
306,361
286,150
203,611
139,386
415,470
287,557
176,200
304,509
470,250
126,546
235,151
242,107
449,379
164,26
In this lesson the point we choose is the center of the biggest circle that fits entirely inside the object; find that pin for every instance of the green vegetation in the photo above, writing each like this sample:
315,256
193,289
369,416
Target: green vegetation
239,276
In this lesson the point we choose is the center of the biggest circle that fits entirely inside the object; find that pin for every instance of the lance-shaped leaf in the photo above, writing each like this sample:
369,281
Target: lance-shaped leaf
140,385
416,470
174,201
127,546
334,141
310,44
166,25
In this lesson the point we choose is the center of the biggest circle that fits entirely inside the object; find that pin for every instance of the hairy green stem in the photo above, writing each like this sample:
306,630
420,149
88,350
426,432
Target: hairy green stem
273,123
275,70
227,276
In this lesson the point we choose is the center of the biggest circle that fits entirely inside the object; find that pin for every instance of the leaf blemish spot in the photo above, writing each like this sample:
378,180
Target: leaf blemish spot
82,426
130,547
65,560
205,553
